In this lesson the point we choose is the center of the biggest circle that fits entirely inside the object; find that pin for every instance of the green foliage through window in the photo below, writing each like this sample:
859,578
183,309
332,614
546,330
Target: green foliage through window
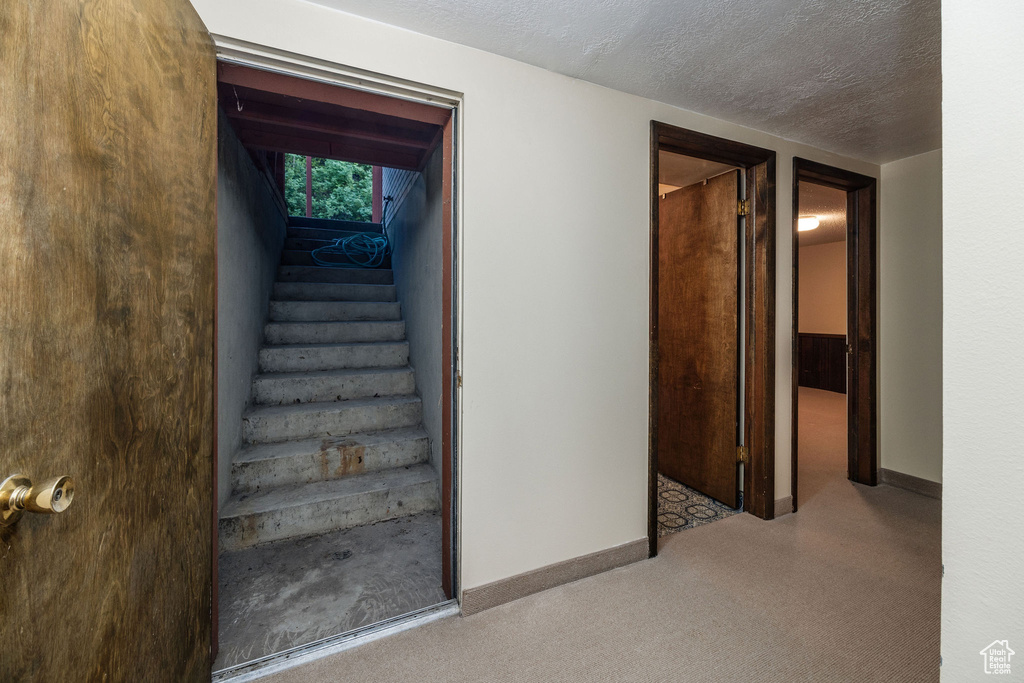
342,190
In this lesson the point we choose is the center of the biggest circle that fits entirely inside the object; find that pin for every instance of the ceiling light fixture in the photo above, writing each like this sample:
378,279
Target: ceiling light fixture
807,223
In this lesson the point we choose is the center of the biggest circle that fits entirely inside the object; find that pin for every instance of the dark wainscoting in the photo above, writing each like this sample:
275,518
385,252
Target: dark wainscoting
823,361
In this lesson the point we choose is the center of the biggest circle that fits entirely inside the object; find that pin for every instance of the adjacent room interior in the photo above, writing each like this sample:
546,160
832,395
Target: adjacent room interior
821,339
333,513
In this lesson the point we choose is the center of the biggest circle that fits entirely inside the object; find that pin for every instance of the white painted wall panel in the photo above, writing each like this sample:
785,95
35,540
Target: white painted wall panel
910,317
823,288
983,324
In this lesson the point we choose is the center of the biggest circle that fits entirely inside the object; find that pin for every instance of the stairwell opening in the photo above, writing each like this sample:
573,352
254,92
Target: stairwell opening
335,395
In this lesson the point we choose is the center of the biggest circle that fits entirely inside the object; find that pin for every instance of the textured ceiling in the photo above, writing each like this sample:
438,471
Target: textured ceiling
856,77
829,205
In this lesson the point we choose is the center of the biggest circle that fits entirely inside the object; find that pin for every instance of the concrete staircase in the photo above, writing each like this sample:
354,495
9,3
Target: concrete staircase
334,438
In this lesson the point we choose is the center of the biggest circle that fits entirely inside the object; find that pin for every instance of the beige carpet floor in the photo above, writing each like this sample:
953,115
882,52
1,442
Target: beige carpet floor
847,589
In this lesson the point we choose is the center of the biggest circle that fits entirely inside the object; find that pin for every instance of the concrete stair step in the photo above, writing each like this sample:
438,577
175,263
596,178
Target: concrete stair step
332,291
300,257
267,466
361,276
272,424
308,357
300,232
307,509
333,311
305,257
289,388
334,333
333,224
314,239
307,244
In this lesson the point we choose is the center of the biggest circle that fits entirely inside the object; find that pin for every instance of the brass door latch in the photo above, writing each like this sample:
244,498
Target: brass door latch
17,494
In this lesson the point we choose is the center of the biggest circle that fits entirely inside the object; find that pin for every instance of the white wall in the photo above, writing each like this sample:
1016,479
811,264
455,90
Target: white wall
910,316
823,288
983,364
554,282
250,232
416,232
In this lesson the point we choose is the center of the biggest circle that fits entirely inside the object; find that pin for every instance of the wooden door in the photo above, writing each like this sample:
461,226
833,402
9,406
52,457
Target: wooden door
698,349
107,238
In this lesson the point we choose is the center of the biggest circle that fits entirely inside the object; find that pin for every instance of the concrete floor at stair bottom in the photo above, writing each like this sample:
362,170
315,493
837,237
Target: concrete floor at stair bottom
289,593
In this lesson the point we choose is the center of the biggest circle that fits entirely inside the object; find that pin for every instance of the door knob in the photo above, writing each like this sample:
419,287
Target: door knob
17,494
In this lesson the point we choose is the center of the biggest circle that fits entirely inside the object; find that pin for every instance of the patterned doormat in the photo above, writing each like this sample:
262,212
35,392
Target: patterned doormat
680,507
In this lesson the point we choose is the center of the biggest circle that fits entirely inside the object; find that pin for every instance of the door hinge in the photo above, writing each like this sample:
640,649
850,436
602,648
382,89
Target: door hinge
744,207
458,380
743,455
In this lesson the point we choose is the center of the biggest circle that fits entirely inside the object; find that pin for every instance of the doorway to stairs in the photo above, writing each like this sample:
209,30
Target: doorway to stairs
834,328
335,504
712,330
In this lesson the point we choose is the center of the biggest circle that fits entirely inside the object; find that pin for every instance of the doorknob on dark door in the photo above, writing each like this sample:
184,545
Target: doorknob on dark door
18,494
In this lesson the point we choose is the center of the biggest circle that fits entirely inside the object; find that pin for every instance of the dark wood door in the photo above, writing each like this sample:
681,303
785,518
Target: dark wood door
698,350
107,238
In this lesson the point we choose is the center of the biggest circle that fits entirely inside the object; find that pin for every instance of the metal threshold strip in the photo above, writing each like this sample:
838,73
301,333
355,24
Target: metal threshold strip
257,668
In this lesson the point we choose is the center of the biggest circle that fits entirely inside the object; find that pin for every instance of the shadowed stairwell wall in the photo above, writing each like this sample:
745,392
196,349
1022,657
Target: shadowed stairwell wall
250,233
414,225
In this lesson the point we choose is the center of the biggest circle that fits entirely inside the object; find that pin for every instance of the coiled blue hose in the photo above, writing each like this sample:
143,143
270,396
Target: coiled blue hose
362,249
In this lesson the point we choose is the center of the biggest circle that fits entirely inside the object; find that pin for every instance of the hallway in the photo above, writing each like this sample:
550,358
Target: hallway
845,589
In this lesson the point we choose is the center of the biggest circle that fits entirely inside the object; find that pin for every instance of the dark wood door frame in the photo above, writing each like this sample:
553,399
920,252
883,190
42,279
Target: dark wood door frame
759,342
861,304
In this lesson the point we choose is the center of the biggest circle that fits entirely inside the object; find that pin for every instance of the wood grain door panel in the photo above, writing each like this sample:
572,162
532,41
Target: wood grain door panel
107,206
698,352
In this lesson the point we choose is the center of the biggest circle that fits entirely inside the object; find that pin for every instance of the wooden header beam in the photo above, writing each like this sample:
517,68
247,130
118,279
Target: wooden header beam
312,123
328,93
325,149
